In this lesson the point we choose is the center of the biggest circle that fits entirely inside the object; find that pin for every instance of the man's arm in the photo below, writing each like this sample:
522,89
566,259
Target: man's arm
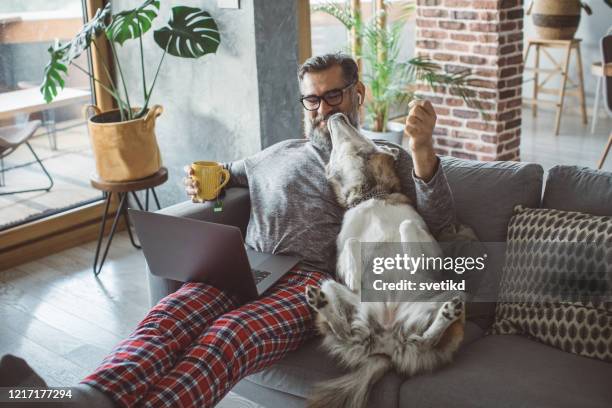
433,199
432,195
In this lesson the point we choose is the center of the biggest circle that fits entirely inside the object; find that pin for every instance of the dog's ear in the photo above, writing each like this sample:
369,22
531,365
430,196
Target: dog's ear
393,151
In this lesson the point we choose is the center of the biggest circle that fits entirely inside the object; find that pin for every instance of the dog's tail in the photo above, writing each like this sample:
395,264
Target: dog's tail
350,390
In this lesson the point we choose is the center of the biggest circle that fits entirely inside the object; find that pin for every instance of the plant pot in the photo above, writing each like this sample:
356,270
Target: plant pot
124,150
556,19
394,133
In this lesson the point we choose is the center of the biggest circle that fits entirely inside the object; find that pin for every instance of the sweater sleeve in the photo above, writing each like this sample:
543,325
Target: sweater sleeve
238,175
238,169
433,199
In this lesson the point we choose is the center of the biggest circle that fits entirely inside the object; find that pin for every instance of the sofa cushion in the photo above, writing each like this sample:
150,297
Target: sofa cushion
557,281
512,371
485,193
582,189
300,370
266,397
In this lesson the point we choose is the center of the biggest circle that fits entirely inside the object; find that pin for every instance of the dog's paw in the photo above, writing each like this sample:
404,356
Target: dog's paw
315,297
452,309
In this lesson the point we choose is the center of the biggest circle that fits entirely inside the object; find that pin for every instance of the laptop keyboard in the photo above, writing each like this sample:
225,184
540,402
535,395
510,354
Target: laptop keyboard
259,275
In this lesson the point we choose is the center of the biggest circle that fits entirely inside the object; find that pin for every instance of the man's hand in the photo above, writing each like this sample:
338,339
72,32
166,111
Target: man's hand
192,187
419,129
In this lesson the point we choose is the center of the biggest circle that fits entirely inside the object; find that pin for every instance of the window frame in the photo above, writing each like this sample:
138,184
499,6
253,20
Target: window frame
37,239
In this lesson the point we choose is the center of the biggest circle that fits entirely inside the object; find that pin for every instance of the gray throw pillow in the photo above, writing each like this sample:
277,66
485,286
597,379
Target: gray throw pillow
557,281
573,188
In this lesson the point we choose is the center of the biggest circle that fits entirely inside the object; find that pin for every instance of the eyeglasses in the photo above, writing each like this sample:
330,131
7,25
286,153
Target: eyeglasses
332,98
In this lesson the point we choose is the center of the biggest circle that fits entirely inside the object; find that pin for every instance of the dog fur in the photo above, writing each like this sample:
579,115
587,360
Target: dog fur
372,338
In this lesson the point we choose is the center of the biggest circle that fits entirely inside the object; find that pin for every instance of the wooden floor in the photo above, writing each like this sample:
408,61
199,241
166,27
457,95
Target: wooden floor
575,145
63,321
70,166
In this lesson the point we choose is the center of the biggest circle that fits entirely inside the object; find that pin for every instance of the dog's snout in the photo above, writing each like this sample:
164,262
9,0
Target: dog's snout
336,124
337,116
336,120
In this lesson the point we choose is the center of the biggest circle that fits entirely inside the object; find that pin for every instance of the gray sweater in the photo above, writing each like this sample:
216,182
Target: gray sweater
294,210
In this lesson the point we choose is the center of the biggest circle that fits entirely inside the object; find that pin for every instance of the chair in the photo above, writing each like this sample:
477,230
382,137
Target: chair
600,71
11,137
606,51
48,117
561,69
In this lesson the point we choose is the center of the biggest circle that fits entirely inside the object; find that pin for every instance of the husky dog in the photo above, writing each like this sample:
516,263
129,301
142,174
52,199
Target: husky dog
373,338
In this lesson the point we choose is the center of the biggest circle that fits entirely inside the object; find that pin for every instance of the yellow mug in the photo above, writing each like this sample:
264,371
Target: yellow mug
211,176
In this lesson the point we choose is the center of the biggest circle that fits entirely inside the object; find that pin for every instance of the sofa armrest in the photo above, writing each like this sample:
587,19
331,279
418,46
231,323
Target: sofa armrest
236,209
236,212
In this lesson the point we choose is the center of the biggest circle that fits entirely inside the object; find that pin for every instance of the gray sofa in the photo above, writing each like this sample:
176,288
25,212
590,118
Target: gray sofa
488,371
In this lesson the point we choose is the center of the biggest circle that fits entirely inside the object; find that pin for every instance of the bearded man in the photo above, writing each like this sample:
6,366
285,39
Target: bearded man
198,342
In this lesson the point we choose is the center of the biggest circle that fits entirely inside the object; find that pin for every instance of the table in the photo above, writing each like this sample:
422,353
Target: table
9,18
30,100
123,189
560,68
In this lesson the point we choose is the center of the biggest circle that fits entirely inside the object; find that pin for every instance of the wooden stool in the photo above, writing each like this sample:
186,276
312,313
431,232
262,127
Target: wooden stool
123,189
560,68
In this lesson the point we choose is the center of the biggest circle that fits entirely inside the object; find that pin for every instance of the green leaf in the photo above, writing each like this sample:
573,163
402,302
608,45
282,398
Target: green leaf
62,55
90,30
191,33
408,10
132,23
392,79
342,14
53,73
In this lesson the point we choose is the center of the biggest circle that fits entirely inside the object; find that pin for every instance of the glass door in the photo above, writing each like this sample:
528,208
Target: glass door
46,158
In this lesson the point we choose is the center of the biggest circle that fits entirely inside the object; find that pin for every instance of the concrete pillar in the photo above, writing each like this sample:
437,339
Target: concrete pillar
225,106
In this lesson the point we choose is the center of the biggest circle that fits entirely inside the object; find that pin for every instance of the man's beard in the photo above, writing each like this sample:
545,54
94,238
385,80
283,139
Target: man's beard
319,136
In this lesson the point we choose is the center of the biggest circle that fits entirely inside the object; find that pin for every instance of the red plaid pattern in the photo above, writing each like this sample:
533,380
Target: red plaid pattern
195,345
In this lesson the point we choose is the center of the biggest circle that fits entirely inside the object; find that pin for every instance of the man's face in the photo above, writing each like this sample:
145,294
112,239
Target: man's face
319,84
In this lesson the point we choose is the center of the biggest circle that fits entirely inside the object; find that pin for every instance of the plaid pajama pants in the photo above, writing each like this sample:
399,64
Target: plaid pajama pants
196,344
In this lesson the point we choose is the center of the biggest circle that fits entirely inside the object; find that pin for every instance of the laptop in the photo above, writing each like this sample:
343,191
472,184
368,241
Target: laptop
189,250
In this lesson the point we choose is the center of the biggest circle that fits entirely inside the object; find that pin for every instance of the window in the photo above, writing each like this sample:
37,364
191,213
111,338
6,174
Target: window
60,145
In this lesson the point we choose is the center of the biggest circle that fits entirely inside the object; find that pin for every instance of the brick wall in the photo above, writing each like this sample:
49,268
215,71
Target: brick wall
485,36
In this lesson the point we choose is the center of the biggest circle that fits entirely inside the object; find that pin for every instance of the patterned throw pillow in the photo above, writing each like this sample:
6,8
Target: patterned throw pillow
556,283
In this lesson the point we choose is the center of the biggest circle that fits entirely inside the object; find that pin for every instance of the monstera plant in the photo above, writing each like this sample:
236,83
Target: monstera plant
190,33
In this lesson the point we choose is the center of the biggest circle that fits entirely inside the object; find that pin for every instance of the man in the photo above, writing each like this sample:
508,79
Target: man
198,342
287,181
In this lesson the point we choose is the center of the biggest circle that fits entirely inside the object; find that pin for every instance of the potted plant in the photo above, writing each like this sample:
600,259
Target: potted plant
123,139
558,19
390,80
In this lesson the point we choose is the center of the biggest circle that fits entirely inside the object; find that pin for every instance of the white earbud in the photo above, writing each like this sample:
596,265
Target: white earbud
359,99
